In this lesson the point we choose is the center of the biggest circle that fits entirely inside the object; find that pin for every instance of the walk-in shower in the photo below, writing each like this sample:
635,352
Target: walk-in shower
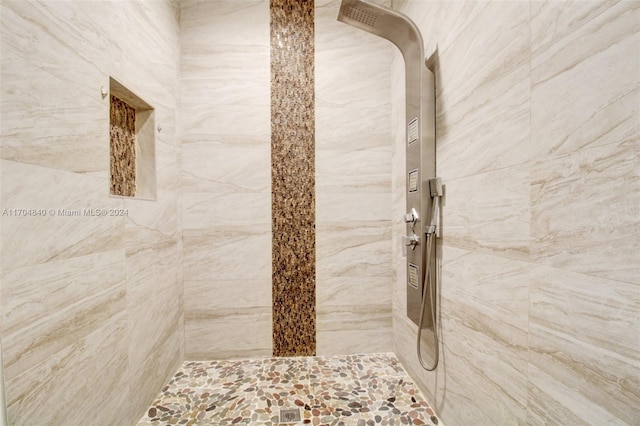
423,188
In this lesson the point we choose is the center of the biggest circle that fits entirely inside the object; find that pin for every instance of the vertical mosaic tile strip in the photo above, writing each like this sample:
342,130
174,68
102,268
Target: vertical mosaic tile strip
350,390
293,177
122,135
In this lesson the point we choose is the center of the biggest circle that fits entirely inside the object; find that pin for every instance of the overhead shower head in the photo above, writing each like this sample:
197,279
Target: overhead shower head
385,23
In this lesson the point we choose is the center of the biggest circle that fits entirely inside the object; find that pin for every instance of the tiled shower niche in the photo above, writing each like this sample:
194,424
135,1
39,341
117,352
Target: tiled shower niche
131,144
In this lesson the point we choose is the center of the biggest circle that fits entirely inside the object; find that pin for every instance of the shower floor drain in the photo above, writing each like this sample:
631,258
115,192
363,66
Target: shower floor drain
289,415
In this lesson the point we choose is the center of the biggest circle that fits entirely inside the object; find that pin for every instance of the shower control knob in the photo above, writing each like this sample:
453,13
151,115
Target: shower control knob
411,217
410,241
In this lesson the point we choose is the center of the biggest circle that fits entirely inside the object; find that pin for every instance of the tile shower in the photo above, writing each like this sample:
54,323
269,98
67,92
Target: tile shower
538,123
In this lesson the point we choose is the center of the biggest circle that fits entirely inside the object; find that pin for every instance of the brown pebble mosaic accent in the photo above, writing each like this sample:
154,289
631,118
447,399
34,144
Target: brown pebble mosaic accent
352,390
122,136
293,177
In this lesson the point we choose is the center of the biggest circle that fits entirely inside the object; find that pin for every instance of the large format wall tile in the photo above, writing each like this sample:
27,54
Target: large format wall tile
489,212
55,126
579,98
584,349
210,23
227,253
349,340
152,225
347,250
353,186
487,366
599,189
228,333
151,272
245,167
62,398
360,71
352,129
538,122
51,306
226,172
494,286
77,288
156,370
201,295
207,210
485,73
61,234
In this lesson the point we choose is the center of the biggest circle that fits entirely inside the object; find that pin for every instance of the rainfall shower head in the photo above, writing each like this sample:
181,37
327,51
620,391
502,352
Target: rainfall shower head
385,23
363,13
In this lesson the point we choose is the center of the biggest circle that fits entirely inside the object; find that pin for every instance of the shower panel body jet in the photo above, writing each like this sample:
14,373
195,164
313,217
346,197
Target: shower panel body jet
420,143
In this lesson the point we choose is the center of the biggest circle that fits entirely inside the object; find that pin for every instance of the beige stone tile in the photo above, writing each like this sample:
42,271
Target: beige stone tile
489,212
213,90
152,221
551,22
352,291
50,122
167,151
213,294
152,276
226,163
228,333
227,253
224,61
49,307
31,240
70,43
486,364
246,120
483,331
340,342
352,208
336,318
360,80
208,210
118,409
350,164
32,294
345,250
224,22
585,210
579,98
442,22
496,287
359,185
352,129
585,346
64,398
154,373
485,73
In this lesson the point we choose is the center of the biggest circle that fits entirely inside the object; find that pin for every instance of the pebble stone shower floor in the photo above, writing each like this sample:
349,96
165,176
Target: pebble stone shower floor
348,390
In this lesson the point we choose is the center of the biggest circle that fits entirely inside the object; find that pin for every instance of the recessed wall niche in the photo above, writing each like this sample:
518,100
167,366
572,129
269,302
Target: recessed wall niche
131,144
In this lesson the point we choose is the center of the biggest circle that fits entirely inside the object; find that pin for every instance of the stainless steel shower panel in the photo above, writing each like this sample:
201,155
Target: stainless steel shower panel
420,143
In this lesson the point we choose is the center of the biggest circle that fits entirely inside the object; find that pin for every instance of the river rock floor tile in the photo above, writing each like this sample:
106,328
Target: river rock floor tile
348,390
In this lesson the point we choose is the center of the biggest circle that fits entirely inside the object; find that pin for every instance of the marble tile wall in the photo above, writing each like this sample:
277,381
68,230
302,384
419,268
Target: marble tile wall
226,178
86,294
353,186
537,122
